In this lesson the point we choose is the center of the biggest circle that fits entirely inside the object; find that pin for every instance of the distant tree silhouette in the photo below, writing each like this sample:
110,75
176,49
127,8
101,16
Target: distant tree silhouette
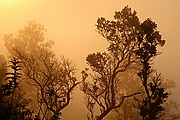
171,111
13,105
129,83
2,68
103,90
28,39
52,78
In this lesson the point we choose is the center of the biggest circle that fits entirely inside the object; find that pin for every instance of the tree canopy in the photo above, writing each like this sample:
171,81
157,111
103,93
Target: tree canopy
104,90
52,78
131,43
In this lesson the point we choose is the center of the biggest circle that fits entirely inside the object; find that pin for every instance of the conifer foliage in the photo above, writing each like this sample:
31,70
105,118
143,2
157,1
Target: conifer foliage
13,105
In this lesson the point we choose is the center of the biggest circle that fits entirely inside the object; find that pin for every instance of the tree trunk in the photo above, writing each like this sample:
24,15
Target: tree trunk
103,114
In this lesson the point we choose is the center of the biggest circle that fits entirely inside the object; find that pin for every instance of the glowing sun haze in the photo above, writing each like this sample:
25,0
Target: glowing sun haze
71,25
7,3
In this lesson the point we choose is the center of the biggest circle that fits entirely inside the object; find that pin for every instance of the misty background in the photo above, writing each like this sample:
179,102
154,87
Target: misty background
71,25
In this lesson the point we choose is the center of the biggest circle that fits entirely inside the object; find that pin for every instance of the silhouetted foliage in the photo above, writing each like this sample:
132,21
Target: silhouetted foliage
105,83
155,94
103,89
52,79
13,105
132,83
131,42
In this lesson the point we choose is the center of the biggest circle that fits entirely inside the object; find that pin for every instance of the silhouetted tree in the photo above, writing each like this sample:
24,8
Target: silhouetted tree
148,38
28,39
155,93
13,105
127,111
103,90
52,78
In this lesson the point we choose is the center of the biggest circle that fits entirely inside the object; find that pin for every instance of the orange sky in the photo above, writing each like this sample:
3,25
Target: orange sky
71,24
